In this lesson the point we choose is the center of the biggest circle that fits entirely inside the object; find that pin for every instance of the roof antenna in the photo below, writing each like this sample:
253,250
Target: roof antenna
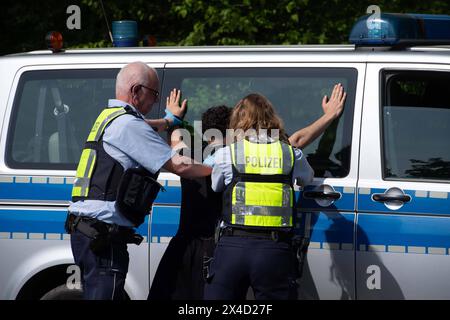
107,23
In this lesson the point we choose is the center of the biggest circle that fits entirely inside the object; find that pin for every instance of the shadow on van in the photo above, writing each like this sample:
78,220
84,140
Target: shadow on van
339,275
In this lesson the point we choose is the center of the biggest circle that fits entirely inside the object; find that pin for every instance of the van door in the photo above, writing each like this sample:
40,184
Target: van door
403,221
296,90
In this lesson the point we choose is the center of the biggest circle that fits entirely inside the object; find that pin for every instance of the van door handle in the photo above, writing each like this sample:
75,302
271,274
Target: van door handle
383,197
321,195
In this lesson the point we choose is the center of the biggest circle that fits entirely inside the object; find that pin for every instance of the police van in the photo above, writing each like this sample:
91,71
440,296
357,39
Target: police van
376,216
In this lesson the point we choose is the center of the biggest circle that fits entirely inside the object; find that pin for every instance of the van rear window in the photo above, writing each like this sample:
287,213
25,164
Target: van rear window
53,112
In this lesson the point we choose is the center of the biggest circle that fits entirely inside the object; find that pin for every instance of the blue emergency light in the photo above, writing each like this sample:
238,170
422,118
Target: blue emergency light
394,29
124,33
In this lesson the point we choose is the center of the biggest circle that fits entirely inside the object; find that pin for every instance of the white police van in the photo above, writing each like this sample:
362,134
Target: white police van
377,213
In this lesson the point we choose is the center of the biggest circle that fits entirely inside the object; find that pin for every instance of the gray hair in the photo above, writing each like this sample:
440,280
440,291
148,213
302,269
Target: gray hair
133,73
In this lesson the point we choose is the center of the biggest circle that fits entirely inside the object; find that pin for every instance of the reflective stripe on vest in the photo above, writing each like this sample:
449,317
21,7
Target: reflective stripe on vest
89,155
262,203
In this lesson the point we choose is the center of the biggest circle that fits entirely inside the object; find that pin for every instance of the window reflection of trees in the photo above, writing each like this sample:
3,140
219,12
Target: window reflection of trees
322,160
433,168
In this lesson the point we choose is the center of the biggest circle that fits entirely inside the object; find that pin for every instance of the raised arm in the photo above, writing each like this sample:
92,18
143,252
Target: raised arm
332,109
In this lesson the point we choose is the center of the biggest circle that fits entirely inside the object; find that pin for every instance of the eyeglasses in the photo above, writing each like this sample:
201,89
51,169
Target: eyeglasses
155,92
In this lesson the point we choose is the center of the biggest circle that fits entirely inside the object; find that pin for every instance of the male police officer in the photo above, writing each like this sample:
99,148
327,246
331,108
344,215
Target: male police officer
119,140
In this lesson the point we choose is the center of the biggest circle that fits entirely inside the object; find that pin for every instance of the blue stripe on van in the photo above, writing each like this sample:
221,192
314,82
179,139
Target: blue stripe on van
35,191
372,229
45,221
41,221
403,230
165,221
429,204
32,221
329,227
62,192
172,195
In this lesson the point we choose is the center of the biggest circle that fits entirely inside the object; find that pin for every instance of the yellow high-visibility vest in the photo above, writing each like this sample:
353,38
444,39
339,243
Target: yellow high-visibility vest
261,194
88,159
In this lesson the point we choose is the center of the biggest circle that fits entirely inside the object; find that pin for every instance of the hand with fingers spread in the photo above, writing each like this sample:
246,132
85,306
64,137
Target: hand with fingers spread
174,113
173,104
335,104
332,109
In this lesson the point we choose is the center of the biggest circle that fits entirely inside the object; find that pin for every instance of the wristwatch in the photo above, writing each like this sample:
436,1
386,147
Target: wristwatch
167,124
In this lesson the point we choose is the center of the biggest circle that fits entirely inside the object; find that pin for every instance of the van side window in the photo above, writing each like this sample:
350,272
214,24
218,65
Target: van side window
416,125
52,115
296,94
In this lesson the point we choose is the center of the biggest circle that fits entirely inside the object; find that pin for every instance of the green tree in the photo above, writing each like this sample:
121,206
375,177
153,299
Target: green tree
228,22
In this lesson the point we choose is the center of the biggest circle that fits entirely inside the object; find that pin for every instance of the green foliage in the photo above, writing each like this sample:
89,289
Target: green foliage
203,93
257,22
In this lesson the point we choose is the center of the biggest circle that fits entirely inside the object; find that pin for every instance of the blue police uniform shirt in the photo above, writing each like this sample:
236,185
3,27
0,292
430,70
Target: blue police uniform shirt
222,172
132,142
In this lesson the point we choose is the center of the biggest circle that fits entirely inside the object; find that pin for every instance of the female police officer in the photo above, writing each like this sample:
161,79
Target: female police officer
257,172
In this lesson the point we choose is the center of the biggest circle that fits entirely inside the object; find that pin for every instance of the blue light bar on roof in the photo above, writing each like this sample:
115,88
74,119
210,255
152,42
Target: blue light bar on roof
124,33
392,29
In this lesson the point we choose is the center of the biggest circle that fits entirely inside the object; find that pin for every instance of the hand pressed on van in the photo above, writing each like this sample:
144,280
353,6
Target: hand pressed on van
174,112
332,109
173,104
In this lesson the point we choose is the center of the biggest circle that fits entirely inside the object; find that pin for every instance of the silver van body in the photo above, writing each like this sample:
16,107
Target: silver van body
387,160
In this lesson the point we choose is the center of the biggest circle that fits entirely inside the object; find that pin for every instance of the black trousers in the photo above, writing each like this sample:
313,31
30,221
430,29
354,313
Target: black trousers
180,272
270,268
103,275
